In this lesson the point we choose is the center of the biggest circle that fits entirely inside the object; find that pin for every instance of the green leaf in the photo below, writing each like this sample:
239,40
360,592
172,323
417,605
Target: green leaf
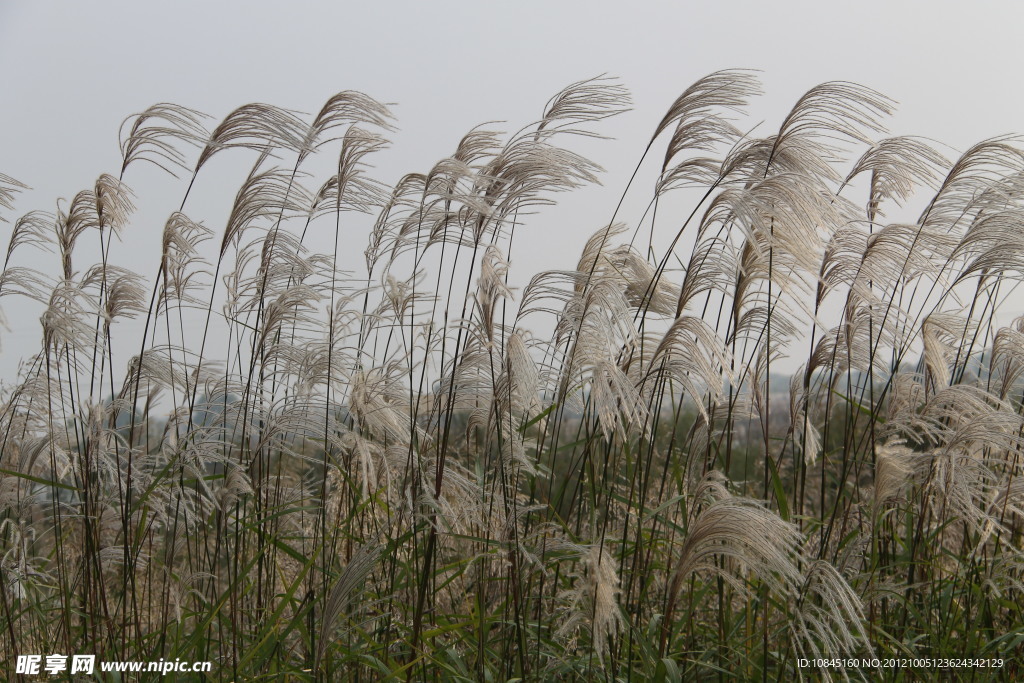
667,671
780,493
38,480
864,409
283,602
537,418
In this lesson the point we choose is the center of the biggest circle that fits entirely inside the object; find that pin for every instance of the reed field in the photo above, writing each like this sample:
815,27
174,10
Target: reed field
779,417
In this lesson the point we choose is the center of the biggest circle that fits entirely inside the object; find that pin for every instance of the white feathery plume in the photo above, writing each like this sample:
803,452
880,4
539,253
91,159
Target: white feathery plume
9,187
801,426
153,135
592,600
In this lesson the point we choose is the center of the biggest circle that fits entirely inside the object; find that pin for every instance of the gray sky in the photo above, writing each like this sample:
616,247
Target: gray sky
73,71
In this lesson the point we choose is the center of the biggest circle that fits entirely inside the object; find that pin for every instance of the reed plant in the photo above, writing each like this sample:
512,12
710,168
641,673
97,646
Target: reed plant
413,470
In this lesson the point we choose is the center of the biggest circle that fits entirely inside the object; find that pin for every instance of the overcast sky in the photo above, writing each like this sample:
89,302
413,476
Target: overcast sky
72,71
